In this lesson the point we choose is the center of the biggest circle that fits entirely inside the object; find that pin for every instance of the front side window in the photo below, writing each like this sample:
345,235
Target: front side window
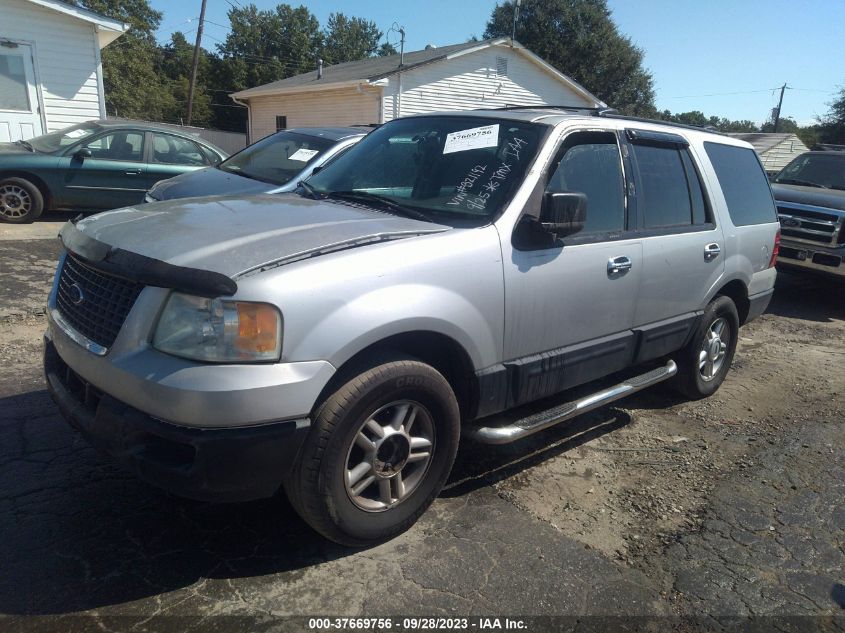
590,163
120,145
442,168
670,193
277,159
175,150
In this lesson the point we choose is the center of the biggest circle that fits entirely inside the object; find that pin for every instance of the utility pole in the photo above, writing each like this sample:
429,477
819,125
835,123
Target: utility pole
196,63
780,103
515,18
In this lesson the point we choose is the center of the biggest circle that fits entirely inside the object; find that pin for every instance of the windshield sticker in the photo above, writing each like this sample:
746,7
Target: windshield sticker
304,155
76,133
475,138
478,201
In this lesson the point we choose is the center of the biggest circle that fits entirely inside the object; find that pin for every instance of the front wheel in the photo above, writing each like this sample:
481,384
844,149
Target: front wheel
20,201
379,452
705,361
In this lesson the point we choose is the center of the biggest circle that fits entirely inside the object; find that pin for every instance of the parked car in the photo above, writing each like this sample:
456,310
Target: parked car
94,165
810,197
439,278
274,164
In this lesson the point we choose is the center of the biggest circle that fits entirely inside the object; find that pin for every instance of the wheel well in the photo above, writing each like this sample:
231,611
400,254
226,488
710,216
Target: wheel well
738,293
35,180
438,350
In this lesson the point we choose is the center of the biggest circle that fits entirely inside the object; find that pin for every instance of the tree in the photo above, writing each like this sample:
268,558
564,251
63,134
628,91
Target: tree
579,38
176,66
833,123
347,39
699,119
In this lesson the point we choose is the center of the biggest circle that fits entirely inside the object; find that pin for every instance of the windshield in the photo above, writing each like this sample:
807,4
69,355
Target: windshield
815,170
444,168
277,159
63,138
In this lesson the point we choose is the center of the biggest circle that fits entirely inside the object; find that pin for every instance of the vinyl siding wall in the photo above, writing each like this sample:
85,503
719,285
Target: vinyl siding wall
66,60
473,81
332,107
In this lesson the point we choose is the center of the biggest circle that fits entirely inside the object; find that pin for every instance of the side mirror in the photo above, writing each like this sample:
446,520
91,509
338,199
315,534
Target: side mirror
563,213
83,153
317,169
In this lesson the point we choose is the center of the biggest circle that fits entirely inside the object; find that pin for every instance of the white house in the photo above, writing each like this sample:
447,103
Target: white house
774,149
486,74
50,70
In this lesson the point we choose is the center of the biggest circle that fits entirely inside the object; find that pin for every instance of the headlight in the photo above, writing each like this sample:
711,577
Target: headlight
149,198
219,331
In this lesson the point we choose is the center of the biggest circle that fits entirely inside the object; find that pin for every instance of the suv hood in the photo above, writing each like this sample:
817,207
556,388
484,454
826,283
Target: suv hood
830,198
236,235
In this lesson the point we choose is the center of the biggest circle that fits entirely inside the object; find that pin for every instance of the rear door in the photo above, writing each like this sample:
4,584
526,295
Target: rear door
171,155
683,248
112,177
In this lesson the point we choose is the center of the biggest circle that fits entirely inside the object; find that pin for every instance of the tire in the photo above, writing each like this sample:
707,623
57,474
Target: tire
705,361
21,202
396,395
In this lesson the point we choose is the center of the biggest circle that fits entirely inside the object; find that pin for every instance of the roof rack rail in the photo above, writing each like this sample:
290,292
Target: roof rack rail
613,114
570,108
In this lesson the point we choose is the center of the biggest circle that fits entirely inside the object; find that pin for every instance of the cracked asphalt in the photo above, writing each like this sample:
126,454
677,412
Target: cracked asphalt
711,511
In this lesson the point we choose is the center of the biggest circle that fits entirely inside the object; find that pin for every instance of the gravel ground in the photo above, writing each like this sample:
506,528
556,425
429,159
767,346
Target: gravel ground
726,507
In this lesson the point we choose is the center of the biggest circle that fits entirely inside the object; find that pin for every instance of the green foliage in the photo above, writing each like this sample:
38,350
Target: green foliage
832,125
347,39
580,39
699,119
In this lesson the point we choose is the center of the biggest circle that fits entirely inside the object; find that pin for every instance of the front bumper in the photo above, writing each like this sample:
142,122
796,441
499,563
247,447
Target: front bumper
801,256
209,464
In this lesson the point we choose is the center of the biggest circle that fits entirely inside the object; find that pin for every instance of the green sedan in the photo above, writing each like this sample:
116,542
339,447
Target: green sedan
94,165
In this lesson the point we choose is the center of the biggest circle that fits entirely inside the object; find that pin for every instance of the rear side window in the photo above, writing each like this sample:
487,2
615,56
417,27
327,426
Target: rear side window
670,191
744,184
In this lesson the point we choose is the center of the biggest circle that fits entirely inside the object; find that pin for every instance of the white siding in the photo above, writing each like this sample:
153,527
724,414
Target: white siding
473,81
65,60
330,107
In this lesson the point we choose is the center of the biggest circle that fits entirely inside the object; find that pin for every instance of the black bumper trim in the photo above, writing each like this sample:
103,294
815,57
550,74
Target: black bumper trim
757,305
225,465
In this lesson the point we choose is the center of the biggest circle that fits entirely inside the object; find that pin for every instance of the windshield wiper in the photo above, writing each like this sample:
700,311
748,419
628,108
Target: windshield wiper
366,196
798,181
25,144
312,193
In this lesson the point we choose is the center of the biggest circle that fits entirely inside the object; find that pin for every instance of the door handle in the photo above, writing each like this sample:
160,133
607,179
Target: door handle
712,251
617,265
132,172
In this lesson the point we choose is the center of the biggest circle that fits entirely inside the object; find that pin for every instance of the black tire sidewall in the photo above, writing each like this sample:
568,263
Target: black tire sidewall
34,193
720,307
397,381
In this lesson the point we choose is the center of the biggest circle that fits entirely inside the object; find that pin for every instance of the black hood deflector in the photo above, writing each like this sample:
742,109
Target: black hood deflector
145,270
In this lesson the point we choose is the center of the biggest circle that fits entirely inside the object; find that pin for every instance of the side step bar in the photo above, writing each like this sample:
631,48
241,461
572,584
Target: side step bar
543,420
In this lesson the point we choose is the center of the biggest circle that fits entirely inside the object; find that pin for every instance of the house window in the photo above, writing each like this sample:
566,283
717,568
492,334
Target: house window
281,123
501,66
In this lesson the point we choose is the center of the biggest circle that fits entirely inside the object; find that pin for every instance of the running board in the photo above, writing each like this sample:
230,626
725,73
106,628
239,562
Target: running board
543,420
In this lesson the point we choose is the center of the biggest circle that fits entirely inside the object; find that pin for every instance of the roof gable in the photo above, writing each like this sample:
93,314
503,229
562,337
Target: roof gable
107,29
374,69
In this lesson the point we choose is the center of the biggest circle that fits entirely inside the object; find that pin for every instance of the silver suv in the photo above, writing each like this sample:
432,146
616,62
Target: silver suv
435,280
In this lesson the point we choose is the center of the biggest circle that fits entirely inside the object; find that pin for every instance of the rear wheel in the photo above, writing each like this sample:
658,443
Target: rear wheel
379,452
705,361
20,201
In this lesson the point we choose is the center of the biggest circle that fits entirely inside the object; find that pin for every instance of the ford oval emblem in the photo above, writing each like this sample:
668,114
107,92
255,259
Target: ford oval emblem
790,221
75,294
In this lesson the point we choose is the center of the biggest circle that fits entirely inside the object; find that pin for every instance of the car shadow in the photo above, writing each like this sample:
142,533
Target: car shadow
808,297
80,533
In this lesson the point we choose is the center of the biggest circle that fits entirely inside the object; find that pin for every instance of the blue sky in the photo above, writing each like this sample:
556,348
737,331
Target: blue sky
723,57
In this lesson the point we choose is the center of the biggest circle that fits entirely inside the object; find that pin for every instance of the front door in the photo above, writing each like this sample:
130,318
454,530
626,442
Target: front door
20,118
112,176
570,307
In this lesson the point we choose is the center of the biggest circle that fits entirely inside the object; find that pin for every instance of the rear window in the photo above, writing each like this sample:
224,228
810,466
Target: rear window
744,184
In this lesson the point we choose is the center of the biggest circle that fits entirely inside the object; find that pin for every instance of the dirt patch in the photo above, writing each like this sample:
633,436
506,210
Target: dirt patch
27,268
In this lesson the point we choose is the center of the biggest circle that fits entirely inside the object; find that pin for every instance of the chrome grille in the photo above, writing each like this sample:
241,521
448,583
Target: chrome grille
94,303
808,225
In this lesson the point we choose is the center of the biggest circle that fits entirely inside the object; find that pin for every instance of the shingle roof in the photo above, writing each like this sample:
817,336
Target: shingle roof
763,141
369,69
